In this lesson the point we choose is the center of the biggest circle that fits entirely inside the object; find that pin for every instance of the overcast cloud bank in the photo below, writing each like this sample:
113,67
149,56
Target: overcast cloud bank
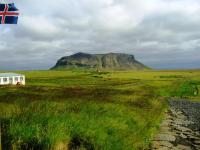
160,33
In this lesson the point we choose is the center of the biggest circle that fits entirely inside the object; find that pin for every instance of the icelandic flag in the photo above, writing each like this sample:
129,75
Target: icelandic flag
8,14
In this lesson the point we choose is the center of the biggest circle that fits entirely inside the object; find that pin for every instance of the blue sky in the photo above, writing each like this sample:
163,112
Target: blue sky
164,34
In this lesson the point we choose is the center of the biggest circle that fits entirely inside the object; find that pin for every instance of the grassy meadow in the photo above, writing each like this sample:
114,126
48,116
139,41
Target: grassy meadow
86,110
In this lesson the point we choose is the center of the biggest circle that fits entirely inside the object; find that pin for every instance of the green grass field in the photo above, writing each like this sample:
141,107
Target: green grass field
79,110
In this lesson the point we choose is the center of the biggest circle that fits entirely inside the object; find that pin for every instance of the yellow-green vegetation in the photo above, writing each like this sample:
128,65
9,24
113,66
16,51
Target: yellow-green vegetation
89,110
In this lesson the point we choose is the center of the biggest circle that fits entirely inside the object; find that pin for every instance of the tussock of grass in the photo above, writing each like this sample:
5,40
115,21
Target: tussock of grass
183,89
99,125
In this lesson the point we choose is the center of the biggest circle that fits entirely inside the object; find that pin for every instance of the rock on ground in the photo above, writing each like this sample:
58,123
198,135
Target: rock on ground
181,128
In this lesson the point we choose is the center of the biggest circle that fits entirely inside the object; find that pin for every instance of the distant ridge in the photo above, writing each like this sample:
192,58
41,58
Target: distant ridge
109,61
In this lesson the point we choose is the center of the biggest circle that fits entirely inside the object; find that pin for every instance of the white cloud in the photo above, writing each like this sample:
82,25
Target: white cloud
158,32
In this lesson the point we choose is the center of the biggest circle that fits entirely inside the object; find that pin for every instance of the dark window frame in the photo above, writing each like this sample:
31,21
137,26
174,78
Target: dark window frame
5,79
21,79
16,79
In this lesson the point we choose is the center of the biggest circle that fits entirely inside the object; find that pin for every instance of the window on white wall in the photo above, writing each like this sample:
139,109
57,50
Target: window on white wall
21,79
16,79
5,79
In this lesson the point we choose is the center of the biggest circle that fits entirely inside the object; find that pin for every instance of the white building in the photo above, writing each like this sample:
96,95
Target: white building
12,79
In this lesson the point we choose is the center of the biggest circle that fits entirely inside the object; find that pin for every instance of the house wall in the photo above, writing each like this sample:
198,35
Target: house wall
20,79
13,81
17,79
4,82
24,80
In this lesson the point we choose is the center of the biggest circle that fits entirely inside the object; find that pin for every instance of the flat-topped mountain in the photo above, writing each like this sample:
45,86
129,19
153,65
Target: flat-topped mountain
109,61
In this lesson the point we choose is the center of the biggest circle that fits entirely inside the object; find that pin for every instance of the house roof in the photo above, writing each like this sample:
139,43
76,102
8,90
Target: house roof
9,74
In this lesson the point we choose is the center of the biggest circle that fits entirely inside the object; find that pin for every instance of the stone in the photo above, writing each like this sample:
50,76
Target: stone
166,122
183,136
177,132
163,148
165,129
194,137
183,129
179,122
182,117
165,137
166,144
175,148
197,142
187,132
197,146
156,144
197,133
183,147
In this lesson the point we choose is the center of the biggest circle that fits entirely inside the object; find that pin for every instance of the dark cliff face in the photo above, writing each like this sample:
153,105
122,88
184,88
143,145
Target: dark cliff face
113,61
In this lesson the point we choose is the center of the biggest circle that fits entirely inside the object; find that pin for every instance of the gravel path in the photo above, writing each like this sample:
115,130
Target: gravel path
181,128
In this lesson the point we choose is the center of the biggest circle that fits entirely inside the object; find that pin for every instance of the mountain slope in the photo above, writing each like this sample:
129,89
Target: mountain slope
109,61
